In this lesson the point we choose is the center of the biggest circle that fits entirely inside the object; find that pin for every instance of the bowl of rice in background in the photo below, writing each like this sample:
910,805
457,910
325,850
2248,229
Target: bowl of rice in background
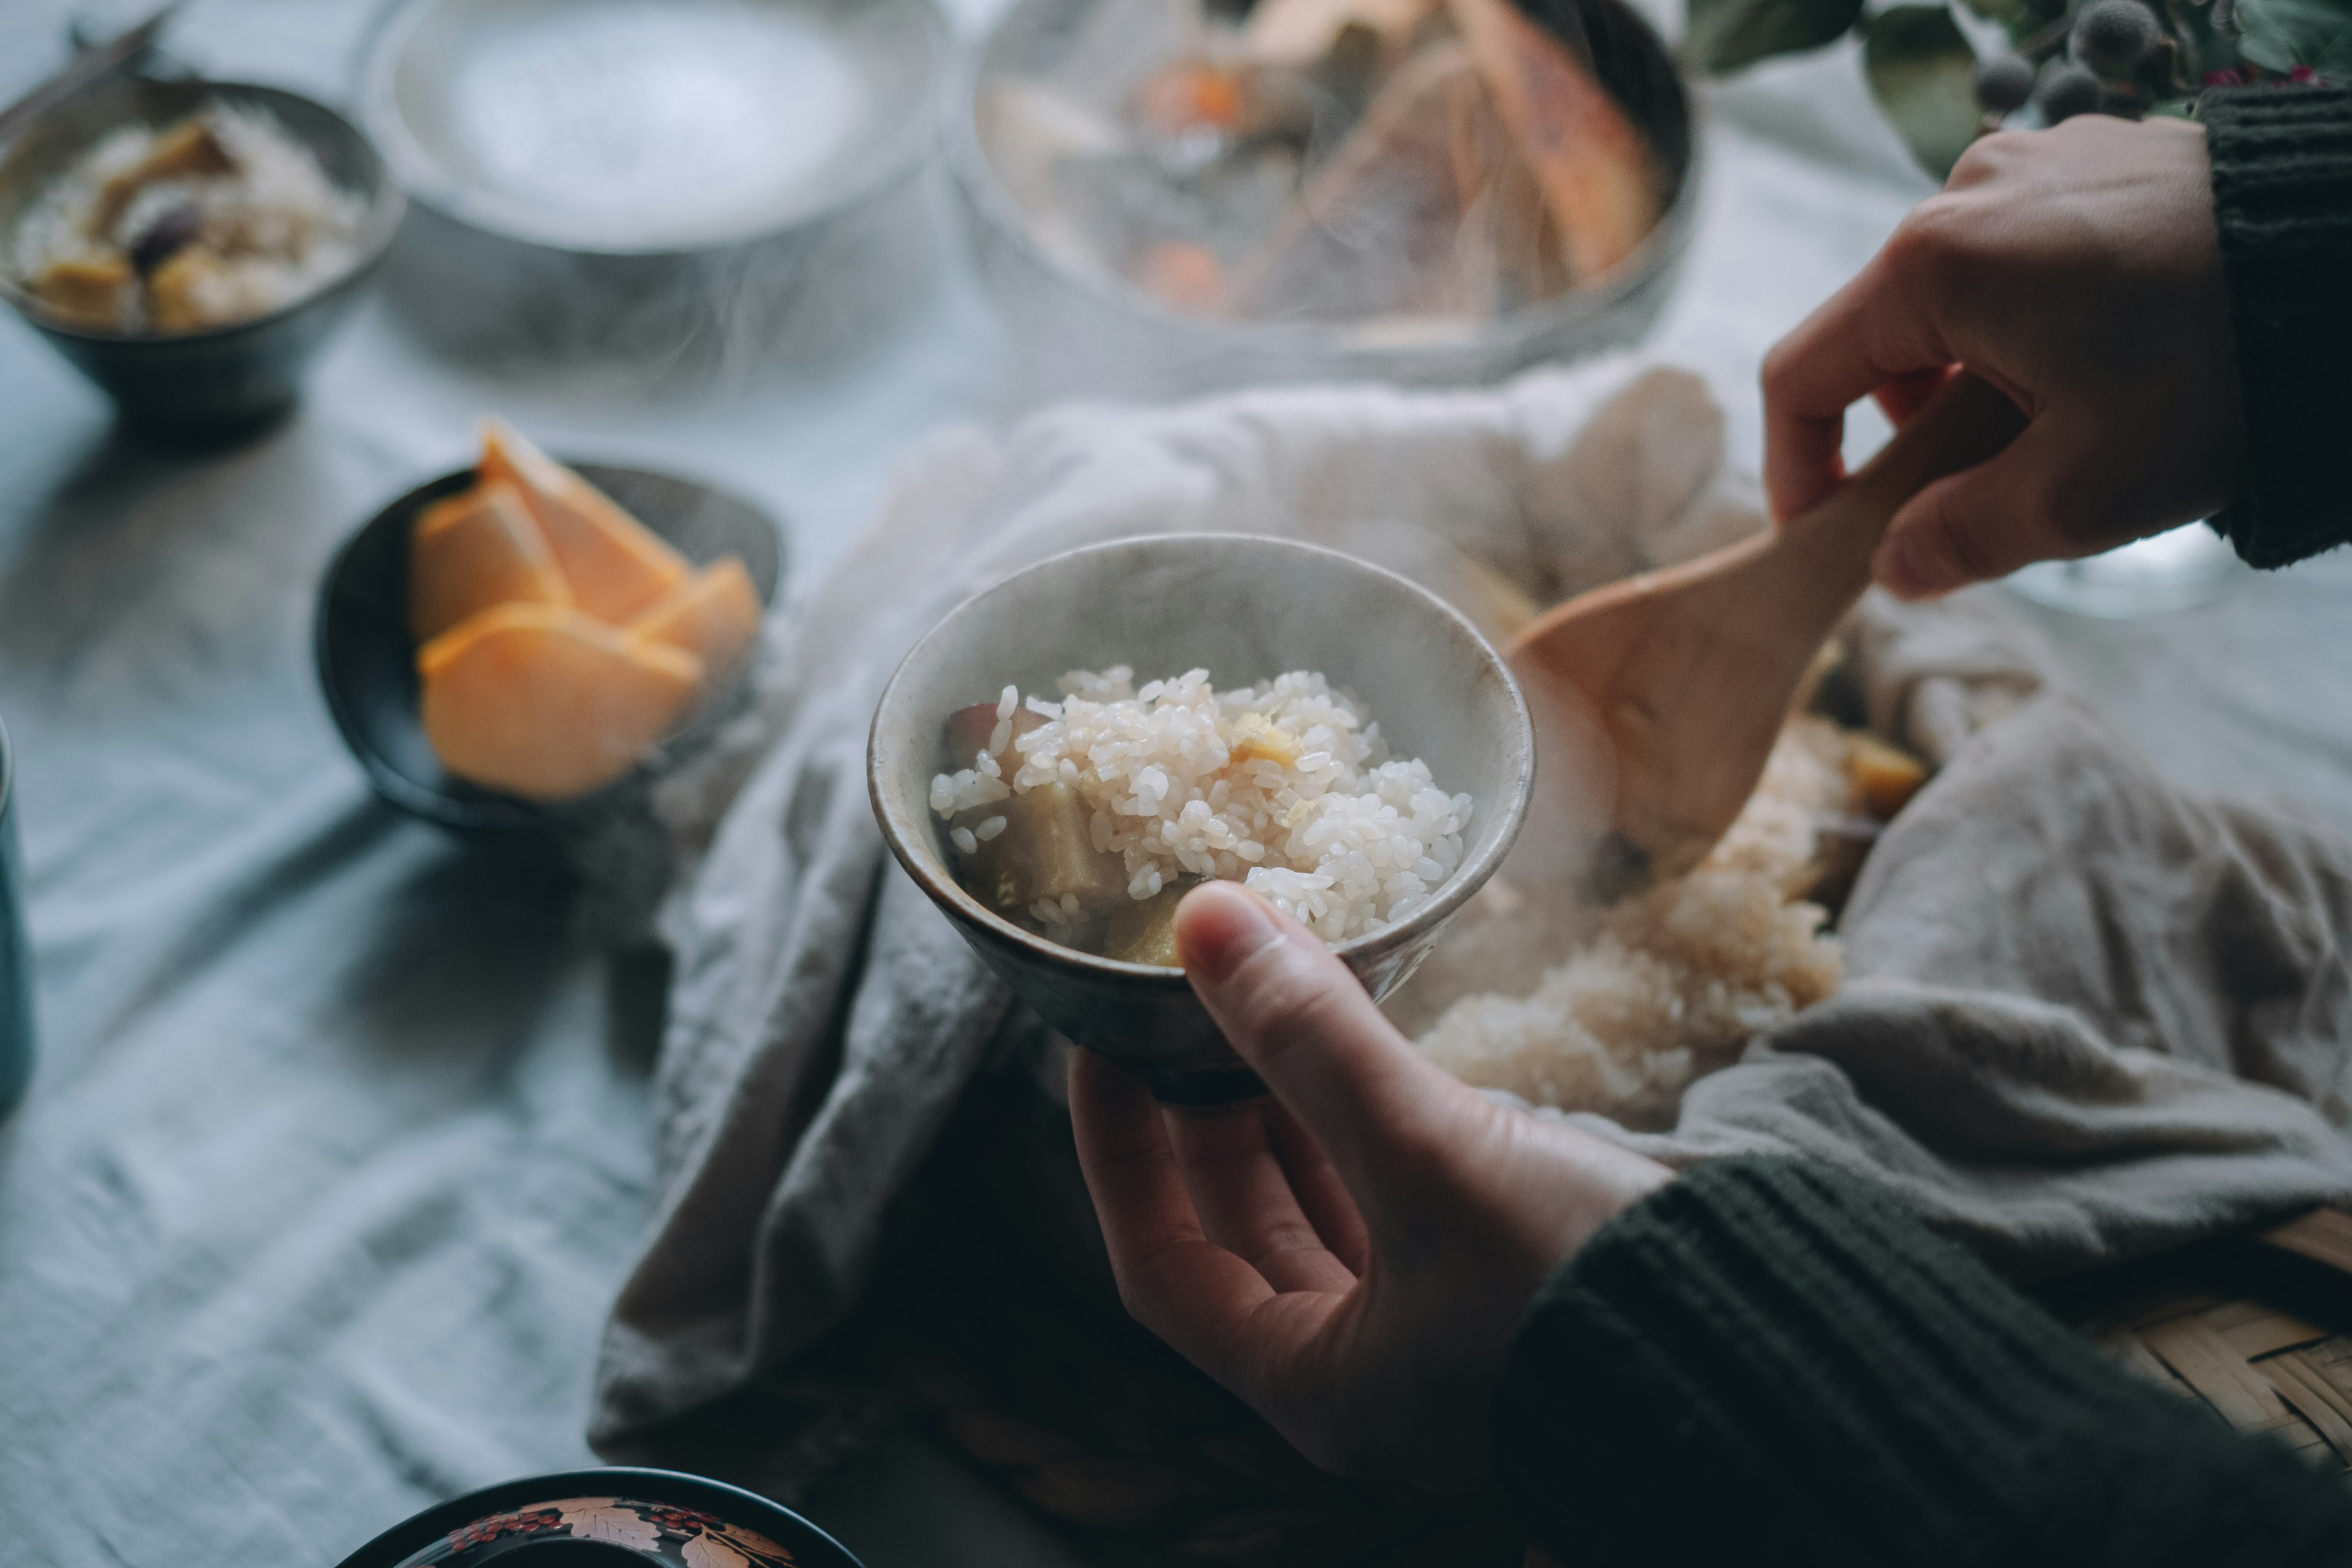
1275,627
302,185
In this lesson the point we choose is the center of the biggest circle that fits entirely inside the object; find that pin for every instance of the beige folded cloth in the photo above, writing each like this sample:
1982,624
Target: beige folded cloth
2087,1014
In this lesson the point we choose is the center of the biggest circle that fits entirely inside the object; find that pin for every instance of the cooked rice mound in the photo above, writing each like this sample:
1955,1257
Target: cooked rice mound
1680,977
273,228
1285,786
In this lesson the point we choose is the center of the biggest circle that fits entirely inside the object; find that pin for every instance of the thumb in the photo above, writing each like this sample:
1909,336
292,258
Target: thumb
1294,1013
1978,524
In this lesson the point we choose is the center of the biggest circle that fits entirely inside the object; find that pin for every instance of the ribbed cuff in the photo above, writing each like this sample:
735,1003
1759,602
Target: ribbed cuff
1766,1361
2283,197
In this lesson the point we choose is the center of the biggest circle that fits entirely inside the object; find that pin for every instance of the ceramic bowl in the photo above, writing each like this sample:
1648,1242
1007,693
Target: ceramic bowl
1245,609
367,658
217,384
638,175
1088,330
618,1517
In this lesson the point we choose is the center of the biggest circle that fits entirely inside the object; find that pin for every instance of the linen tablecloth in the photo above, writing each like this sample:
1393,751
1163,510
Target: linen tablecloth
338,1146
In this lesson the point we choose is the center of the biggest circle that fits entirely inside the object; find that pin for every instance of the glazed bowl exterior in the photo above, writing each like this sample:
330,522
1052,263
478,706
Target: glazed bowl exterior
1087,331
196,386
1245,609
366,655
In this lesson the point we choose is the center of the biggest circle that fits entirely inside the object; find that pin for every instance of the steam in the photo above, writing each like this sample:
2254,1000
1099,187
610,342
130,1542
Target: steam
718,321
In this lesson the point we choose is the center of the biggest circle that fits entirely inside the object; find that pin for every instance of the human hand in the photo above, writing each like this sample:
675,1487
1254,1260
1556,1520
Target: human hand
1351,1254
2079,270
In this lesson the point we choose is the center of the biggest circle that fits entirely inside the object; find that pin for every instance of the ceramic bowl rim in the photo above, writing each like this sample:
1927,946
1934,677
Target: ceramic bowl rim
930,872
496,811
976,178
387,204
424,178
420,1529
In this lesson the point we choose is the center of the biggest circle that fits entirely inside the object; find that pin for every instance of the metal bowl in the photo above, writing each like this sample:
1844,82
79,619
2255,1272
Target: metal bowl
1089,330
635,172
367,656
1244,608
221,383
620,1517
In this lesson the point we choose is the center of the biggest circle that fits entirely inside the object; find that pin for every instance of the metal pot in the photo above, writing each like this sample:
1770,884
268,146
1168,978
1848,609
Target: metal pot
1089,331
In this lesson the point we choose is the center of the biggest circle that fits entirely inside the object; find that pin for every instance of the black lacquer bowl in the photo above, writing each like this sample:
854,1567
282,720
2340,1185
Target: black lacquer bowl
605,1519
216,386
367,658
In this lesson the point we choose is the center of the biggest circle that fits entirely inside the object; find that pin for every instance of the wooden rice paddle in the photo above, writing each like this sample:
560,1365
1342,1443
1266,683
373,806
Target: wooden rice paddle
1657,700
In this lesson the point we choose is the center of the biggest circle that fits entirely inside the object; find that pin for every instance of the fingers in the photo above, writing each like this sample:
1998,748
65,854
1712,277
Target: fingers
1293,1012
1980,523
1193,1294
1900,398
1877,329
1243,1193
1322,1196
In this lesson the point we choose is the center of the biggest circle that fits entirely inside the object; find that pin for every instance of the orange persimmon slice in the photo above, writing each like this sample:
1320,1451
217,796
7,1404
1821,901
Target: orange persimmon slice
544,702
474,549
617,567
713,615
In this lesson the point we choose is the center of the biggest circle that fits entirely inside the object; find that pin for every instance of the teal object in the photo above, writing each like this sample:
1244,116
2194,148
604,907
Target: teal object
16,955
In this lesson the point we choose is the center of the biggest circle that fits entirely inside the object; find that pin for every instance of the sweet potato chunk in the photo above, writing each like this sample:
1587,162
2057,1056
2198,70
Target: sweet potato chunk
1143,930
713,615
616,567
472,551
1044,850
544,702
191,292
1885,777
91,294
187,151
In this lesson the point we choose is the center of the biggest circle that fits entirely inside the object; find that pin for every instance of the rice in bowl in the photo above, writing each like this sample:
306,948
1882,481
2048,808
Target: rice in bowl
1086,819
220,217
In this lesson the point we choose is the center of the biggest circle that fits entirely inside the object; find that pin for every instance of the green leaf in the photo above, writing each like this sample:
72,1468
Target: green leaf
1923,73
2269,51
1724,35
2280,35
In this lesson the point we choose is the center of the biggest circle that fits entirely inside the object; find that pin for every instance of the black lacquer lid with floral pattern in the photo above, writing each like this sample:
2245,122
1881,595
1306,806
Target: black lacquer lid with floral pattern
616,1518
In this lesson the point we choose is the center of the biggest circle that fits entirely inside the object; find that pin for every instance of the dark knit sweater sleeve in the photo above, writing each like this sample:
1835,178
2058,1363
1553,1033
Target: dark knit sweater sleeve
2283,196
1766,1361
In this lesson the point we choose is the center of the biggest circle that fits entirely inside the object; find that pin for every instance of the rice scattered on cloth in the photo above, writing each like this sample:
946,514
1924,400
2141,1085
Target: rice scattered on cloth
1286,785
1678,978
